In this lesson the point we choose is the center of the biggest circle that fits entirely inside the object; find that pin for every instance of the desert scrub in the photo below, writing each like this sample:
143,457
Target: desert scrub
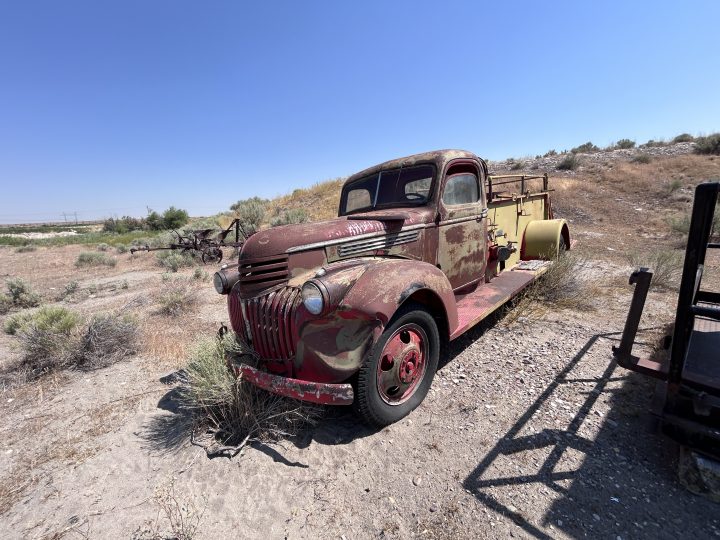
176,297
708,145
200,274
287,217
47,340
624,144
121,248
107,338
54,338
19,295
683,137
568,163
643,159
103,247
233,411
562,286
26,248
174,261
665,264
94,258
586,148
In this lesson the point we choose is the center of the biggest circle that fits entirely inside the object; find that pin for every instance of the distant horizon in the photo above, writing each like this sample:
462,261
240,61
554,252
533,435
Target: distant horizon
108,109
70,218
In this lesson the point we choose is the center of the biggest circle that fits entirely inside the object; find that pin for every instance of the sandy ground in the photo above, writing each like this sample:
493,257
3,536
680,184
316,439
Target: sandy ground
529,431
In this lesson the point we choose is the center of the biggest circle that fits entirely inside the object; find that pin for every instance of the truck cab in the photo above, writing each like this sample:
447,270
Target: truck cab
354,310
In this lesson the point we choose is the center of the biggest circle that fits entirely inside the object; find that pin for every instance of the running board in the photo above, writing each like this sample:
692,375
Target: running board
477,305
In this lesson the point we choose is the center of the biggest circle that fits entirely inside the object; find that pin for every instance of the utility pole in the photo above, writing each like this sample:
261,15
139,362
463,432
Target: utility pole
76,218
65,217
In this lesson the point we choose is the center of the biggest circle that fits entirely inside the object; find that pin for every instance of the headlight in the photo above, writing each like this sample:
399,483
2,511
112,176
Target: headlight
312,298
219,283
224,280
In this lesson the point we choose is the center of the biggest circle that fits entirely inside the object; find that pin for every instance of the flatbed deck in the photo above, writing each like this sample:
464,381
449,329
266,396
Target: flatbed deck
483,301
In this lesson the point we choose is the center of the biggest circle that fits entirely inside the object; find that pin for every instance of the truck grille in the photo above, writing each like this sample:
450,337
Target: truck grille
262,273
271,323
385,241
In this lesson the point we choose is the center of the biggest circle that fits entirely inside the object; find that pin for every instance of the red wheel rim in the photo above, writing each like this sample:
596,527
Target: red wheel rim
402,364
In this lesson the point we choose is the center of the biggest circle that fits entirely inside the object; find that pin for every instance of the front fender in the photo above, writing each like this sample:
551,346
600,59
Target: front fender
333,346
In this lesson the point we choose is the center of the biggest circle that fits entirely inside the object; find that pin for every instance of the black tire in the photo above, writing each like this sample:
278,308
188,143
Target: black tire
373,403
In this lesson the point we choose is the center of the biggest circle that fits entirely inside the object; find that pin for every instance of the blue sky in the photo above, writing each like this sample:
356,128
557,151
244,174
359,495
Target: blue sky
109,107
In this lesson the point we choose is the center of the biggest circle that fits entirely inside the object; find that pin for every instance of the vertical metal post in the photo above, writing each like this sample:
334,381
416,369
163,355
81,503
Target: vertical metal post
641,279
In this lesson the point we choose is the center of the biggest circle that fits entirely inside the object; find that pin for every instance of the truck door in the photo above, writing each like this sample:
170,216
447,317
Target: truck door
462,227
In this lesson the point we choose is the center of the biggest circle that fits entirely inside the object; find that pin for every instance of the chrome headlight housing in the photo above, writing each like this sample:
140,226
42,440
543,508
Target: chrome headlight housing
224,280
312,297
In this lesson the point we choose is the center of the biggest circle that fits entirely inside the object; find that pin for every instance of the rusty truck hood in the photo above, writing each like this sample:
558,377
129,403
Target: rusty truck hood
308,236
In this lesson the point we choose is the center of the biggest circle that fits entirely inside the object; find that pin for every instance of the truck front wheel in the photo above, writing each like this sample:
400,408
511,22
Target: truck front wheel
397,374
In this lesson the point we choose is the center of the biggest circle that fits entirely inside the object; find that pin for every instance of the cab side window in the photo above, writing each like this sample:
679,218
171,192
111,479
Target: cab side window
461,189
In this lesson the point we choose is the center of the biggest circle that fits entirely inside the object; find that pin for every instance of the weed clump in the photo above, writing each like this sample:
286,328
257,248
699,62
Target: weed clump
287,217
103,247
27,248
568,163
232,411
177,297
106,339
54,338
666,266
708,145
94,258
19,295
683,137
624,144
174,261
643,159
586,148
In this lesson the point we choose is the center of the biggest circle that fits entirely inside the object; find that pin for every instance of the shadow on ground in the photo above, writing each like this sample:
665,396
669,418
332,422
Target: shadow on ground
623,481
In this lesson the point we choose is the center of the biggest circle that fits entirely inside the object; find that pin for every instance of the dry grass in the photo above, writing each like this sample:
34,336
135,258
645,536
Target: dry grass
230,412
182,516
176,297
51,339
562,286
319,202
665,264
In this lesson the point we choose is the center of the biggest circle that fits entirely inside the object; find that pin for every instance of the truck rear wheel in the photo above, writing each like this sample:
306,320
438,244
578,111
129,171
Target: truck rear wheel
397,374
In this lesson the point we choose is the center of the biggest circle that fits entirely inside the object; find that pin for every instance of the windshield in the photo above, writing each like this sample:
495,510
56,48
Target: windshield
395,187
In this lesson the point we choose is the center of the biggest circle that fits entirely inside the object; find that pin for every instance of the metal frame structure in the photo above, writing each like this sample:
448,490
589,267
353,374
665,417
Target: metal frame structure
690,376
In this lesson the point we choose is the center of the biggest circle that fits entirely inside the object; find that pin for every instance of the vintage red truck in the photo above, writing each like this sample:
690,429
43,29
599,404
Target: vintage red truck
356,310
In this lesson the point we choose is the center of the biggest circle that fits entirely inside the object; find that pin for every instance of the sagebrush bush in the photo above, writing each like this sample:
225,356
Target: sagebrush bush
47,339
54,338
121,248
94,258
665,264
103,247
708,145
175,260
251,213
26,248
550,153
176,297
287,217
683,137
625,144
642,159
233,410
200,274
106,339
585,148
568,163
19,296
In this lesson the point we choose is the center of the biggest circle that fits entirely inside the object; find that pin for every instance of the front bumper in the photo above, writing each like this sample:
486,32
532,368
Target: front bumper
323,393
